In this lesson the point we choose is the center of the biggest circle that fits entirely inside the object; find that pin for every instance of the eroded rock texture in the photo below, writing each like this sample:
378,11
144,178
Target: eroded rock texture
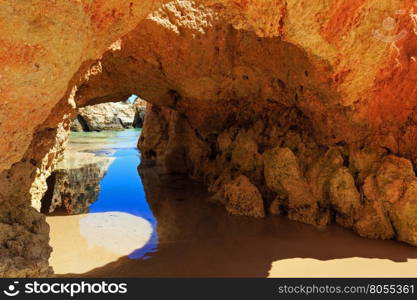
105,116
24,237
45,48
293,114
308,104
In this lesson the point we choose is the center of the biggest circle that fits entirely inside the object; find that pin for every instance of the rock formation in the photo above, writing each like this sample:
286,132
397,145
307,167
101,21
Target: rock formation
280,115
140,109
108,116
310,105
75,184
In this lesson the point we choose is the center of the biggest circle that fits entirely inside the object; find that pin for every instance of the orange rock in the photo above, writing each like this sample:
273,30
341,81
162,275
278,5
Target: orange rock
243,198
261,89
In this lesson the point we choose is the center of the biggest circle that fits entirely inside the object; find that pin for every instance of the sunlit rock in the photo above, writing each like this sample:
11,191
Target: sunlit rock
107,116
304,76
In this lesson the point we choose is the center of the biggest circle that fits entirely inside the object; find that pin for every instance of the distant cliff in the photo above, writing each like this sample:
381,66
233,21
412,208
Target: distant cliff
109,116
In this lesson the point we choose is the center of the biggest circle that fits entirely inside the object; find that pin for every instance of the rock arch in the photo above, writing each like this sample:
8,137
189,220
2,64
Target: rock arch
291,102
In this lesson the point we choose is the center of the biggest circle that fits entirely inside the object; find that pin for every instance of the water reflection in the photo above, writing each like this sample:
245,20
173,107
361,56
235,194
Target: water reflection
116,219
75,185
122,189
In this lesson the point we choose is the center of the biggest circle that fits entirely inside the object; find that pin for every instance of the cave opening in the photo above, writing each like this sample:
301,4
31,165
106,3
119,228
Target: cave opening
95,192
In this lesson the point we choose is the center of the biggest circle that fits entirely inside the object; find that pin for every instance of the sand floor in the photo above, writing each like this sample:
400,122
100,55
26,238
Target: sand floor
84,242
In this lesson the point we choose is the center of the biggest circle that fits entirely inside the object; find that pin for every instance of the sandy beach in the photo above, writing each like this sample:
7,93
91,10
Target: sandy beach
84,242
345,268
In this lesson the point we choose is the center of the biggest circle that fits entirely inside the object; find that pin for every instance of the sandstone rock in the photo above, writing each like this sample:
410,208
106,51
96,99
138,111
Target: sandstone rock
294,66
323,170
77,126
224,141
403,214
243,198
275,208
319,176
373,223
168,141
47,165
392,189
282,175
140,106
107,116
24,237
48,59
281,170
365,161
139,117
245,153
344,197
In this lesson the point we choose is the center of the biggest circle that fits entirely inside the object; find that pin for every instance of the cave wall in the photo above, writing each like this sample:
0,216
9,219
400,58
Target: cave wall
297,103
292,124
45,49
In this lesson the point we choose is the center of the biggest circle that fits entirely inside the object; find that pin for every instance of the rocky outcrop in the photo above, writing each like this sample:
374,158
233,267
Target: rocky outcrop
41,62
243,198
324,89
140,109
24,237
289,129
78,124
43,59
75,184
109,116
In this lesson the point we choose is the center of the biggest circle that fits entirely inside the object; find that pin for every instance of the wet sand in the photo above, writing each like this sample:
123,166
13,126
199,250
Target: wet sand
197,238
